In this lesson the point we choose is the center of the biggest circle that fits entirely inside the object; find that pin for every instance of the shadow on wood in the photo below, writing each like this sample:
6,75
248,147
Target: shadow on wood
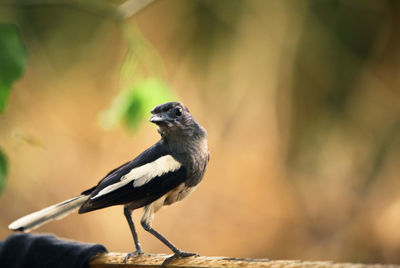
149,260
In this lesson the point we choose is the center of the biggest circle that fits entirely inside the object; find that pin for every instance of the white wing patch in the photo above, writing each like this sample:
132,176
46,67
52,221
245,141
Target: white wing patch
143,174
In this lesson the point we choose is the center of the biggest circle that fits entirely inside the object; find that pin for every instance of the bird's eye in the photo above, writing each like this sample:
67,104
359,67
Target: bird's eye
178,111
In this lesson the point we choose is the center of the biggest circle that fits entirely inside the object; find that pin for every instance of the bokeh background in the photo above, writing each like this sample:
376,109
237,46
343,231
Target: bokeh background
300,99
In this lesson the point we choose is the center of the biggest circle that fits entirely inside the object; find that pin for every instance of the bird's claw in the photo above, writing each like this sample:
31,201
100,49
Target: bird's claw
134,253
177,255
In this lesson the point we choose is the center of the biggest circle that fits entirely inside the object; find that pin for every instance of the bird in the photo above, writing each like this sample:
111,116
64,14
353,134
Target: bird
163,174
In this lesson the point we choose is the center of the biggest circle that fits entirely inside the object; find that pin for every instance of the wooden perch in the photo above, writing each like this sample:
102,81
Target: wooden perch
110,260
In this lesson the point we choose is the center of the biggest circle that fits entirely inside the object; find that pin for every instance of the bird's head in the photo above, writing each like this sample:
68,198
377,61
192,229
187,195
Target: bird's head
173,118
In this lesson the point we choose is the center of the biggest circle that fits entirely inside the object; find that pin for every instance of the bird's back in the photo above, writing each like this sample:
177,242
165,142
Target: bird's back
140,181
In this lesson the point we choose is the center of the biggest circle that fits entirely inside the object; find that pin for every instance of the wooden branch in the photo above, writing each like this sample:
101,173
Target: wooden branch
110,260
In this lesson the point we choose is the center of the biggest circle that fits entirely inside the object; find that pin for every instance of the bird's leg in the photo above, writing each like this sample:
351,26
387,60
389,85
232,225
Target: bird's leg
138,251
146,222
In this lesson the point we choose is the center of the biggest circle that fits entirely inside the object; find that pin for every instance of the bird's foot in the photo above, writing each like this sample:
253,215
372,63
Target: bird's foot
177,255
134,253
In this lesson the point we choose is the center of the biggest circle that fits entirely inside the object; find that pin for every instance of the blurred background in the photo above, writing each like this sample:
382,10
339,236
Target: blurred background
301,101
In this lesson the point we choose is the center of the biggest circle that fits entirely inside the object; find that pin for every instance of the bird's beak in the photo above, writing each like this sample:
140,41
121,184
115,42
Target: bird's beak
158,119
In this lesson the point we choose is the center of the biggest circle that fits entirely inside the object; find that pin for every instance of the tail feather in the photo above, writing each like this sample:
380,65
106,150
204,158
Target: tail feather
55,212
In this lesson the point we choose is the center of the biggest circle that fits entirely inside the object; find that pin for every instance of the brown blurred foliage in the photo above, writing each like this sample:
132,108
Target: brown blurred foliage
300,99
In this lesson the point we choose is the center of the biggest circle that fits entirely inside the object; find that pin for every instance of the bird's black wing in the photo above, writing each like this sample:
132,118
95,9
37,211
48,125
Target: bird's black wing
141,181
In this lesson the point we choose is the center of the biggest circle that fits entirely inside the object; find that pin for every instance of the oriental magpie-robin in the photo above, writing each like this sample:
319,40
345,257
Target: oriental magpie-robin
163,174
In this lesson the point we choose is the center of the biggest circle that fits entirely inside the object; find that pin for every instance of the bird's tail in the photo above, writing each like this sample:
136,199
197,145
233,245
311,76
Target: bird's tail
55,212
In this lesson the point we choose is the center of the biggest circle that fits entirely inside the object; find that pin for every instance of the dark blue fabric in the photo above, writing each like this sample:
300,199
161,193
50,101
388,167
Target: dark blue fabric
33,250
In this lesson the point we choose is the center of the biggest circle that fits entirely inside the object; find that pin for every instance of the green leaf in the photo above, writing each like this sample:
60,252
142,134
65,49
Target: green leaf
133,105
13,57
3,170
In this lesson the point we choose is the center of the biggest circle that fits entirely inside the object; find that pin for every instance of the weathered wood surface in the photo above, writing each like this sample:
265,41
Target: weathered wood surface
109,260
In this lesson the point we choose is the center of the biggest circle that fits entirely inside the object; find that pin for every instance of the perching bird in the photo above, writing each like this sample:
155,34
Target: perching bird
163,174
